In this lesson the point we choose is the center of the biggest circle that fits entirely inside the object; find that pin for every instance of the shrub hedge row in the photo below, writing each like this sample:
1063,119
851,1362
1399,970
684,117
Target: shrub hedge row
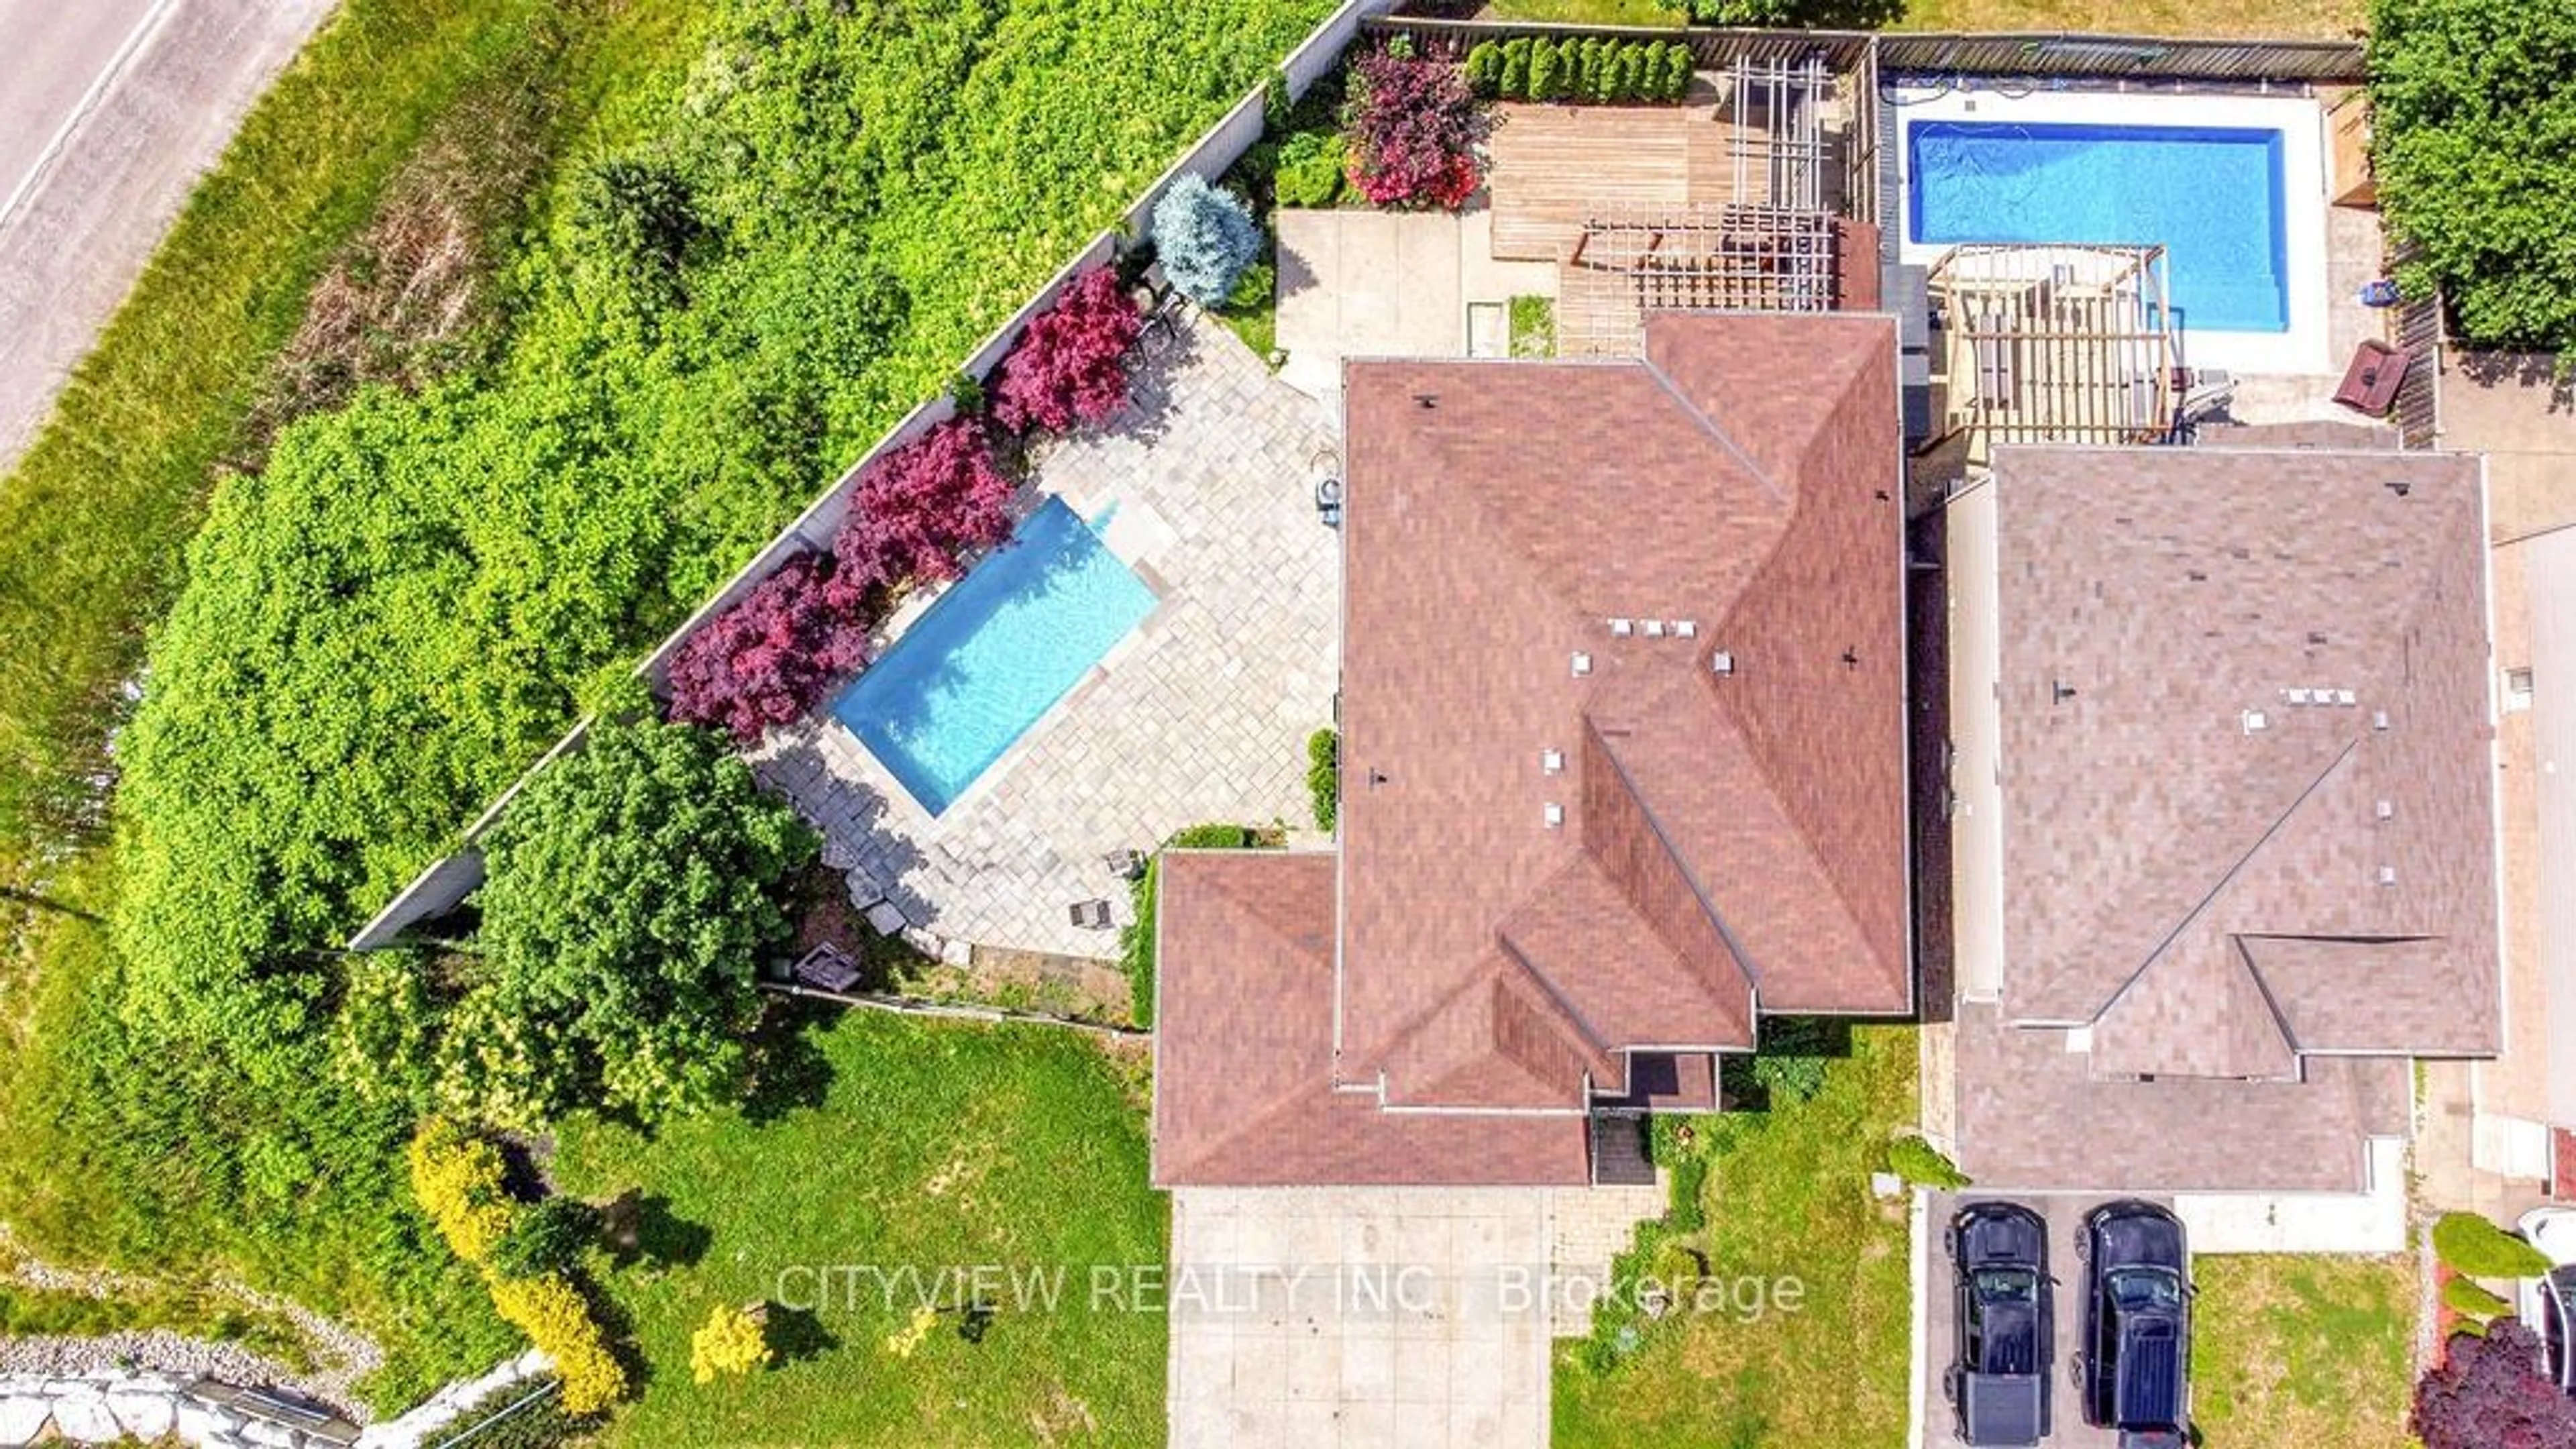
1591,71
457,1179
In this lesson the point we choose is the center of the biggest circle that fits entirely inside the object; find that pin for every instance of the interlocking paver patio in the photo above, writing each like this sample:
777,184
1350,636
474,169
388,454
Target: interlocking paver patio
1201,714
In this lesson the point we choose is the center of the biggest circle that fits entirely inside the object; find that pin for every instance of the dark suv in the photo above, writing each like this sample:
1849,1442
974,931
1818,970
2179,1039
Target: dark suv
1998,1383
2137,1325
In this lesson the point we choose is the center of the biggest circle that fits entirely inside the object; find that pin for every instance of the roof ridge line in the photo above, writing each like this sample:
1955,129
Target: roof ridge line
2280,1018
1700,419
1744,967
1555,995
2225,878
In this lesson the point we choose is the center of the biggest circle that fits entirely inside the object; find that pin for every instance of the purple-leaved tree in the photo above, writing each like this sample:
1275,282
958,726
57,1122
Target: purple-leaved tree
2489,1394
769,658
920,507
1070,367
1413,134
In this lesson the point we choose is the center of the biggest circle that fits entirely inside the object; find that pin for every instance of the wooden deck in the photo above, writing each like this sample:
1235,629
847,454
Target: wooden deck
1556,165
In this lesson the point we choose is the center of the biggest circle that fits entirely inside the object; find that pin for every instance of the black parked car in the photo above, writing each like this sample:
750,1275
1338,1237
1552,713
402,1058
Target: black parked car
2137,1325
1998,1383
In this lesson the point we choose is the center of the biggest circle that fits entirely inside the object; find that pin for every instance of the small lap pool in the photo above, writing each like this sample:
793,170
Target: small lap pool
2211,197
993,654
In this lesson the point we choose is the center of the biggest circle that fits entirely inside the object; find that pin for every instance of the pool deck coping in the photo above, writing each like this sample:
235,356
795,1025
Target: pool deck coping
899,797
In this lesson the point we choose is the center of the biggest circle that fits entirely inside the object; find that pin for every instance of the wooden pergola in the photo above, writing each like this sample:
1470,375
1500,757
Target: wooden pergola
2053,344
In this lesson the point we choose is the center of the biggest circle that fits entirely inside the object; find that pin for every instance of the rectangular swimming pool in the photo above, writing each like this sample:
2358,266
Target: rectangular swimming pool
993,654
2212,198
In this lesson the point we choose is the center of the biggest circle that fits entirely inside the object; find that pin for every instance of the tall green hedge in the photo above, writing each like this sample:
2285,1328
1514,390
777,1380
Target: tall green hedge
1591,70
2470,1244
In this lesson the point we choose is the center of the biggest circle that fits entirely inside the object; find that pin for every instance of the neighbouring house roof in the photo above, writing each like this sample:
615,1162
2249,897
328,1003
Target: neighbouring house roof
1719,840
1243,1049
2031,1114
2246,757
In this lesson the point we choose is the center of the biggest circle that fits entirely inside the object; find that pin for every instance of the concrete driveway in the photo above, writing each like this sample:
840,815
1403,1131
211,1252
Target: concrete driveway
111,111
1310,1318
1938,1334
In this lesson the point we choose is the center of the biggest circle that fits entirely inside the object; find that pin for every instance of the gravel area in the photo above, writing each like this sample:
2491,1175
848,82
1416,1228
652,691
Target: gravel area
344,1355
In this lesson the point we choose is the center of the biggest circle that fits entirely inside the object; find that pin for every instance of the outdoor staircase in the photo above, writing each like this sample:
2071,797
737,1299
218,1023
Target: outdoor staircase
1619,1151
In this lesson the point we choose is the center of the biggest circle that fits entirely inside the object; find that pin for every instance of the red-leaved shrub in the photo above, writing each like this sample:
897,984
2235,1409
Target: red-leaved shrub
916,509
768,659
1070,366
1413,133
2489,1394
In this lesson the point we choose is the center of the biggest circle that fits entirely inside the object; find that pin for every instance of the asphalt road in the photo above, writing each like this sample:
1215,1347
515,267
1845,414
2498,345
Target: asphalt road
109,111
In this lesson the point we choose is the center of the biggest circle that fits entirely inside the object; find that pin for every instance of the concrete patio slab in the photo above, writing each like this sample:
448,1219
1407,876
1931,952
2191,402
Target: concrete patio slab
1386,284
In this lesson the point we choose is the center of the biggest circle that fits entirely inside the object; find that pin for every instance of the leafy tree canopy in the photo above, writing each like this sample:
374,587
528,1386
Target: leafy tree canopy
631,894
2473,112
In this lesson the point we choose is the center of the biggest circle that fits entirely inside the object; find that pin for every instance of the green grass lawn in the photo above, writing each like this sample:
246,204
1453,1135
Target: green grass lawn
902,1144
2289,1352
2275,19
1786,1196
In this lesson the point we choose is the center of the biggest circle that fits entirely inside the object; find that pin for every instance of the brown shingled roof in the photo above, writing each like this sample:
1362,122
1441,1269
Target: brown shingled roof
1243,1047
1720,837
2246,754
1547,870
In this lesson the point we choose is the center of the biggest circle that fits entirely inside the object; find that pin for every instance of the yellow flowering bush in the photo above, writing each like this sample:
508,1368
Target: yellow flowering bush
556,1318
732,1342
457,1180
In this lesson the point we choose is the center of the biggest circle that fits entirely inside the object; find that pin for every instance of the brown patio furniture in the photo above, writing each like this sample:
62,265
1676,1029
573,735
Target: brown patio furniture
1093,915
2370,384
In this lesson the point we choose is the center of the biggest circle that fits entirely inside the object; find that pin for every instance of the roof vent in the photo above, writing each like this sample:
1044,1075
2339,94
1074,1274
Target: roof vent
1555,815
2400,487
2388,875
1426,399
1654,628
1686,628
1552,761
1622,628
1722,662
2385,809
2379,719
1582,664
2254,721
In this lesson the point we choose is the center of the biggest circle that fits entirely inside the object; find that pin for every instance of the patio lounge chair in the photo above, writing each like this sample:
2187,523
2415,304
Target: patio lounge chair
1125,864
2370,384
1091,915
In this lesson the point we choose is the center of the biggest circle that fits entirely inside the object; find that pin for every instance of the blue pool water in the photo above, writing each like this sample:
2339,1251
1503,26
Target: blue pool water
2211,198
994,653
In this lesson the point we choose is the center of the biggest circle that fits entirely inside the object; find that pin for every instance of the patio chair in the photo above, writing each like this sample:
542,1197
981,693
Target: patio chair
1091,915
1126,864
2370,384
